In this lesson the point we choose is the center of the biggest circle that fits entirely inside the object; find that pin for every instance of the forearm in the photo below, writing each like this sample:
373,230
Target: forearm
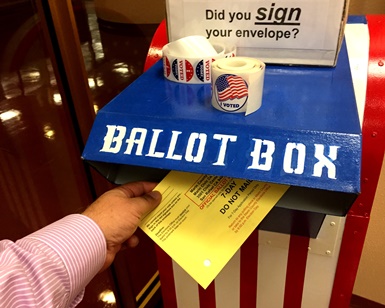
51,267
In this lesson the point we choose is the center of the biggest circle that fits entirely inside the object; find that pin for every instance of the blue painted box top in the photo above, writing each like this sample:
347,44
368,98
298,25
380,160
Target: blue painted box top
307,132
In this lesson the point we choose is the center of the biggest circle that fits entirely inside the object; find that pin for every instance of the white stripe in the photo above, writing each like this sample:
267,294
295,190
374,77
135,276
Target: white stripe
320,272
186,288
227,283
272,262
11,292
357,41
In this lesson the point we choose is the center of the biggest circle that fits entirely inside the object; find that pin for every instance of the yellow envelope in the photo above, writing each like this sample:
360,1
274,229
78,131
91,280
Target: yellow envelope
203,219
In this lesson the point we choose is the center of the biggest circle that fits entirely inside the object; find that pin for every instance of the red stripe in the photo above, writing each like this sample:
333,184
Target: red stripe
158,41
166,278
249,271
373,148
207,297
295,272
373,128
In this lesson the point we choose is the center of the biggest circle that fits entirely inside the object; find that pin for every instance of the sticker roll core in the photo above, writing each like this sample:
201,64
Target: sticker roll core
237,84
189,59
219,48
236,65
192,46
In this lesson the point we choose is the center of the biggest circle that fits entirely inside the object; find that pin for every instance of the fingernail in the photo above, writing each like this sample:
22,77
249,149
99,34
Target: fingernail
155,194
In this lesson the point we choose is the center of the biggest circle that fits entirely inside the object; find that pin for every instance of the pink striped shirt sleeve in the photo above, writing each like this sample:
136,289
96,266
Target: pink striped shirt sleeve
51,267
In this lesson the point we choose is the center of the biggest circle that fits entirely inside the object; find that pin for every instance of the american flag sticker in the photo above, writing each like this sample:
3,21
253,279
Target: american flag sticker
231,92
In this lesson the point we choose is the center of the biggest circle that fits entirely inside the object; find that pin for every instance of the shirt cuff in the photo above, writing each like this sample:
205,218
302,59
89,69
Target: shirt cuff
81,246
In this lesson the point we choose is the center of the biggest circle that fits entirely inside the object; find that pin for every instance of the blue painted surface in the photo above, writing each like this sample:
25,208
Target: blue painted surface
357,19
302,105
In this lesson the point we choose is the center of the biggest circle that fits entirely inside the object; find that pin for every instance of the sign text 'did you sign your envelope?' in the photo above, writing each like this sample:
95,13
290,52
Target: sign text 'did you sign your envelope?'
275,31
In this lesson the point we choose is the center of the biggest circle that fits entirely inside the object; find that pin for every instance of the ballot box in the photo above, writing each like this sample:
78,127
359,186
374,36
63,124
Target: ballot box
317,131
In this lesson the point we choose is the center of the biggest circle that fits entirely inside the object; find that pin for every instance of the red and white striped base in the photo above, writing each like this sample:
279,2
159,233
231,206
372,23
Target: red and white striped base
270,270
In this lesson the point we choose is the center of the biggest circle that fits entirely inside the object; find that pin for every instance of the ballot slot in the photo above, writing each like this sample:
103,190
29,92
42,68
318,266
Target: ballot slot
301,211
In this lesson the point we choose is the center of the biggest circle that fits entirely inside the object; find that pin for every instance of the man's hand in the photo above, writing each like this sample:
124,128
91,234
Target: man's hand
118,213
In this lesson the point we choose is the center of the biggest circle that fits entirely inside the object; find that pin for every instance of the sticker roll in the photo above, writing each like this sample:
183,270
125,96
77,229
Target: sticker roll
237,84
189,59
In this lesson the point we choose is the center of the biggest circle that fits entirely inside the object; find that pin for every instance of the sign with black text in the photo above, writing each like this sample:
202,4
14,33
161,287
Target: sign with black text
309,30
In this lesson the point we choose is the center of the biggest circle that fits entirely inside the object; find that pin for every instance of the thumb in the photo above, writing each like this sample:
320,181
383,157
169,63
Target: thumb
149,201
